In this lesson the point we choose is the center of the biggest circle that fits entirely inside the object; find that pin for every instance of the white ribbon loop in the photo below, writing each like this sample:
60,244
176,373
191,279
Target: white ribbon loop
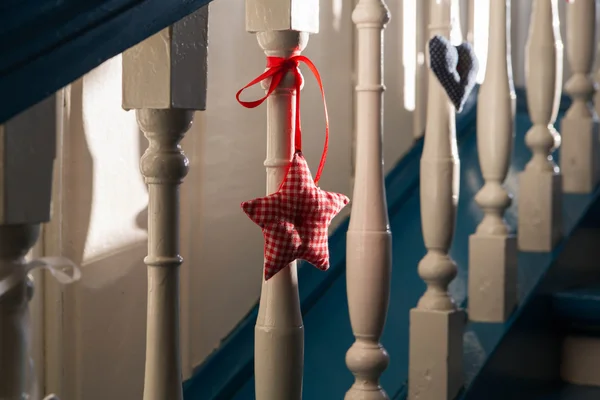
62,269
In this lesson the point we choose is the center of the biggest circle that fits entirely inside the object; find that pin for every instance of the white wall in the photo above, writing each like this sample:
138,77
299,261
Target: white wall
96,329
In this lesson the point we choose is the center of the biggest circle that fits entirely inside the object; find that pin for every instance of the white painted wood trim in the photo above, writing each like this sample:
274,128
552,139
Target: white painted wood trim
422,70
492,249
579,360
368,261
25,199
579,127
279,331
539,221
436,324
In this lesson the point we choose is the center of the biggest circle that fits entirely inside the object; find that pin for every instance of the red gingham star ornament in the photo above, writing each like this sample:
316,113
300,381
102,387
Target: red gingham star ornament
295,219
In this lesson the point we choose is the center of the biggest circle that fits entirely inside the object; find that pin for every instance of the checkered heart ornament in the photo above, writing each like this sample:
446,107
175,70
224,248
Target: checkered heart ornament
455,67
295,219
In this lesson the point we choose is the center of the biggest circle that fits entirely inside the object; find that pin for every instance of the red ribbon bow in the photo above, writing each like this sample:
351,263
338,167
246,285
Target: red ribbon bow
277,68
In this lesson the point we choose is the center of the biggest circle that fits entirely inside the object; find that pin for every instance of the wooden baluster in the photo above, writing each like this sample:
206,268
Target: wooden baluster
164,80
596,98
492,249
456,32
436,325
368,266
422,71
539,226
281,31
27,151
579,128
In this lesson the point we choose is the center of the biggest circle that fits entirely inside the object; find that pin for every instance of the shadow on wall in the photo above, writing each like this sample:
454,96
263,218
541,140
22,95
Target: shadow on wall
103,230
142,218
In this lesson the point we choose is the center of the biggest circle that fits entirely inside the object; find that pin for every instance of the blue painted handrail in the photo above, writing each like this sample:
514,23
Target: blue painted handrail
47,44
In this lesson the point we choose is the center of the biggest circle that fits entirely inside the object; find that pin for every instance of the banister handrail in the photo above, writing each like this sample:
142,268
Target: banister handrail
64,40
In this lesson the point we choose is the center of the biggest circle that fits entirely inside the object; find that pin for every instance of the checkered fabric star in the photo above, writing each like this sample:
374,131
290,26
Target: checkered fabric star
295,219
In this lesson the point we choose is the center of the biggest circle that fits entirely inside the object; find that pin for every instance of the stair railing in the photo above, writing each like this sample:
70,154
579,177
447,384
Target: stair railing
165,87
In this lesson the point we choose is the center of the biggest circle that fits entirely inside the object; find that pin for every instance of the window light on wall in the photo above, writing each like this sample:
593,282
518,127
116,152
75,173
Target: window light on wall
481,25
410,58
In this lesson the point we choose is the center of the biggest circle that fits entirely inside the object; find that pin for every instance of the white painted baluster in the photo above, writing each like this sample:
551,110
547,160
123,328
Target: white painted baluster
27,151
422,71
436,325
368,265
456,32
492,249
281,31
539,226
579,128
164,80
597,94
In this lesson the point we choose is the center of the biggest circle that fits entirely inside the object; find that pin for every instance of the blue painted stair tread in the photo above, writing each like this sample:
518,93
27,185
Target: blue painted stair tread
327,329
573,392
455,67
60,40
579,308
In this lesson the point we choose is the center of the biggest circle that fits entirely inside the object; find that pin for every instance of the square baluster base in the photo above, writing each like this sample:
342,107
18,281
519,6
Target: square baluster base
540,220
579,162
435,354
492,277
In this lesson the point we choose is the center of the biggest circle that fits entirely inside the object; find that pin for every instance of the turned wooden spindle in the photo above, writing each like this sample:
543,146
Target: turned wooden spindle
281,31
164,80
368,250
493,249
279,331
164,165
27,151
436,324
540,187
422,71
15,242
579,128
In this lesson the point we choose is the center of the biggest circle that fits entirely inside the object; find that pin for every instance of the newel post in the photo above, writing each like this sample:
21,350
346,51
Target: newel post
282,29
27,151
579,153
493,249
436,324
369,248
540,184
164,80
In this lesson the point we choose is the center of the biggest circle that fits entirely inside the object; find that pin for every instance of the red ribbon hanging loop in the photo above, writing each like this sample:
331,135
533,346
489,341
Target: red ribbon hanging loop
277,68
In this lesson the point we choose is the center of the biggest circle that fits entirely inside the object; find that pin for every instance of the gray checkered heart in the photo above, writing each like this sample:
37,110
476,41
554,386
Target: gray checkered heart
455,67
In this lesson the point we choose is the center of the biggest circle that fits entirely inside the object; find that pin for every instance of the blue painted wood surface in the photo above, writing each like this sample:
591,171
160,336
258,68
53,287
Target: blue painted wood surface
578,309
47,44
327,328
571,392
